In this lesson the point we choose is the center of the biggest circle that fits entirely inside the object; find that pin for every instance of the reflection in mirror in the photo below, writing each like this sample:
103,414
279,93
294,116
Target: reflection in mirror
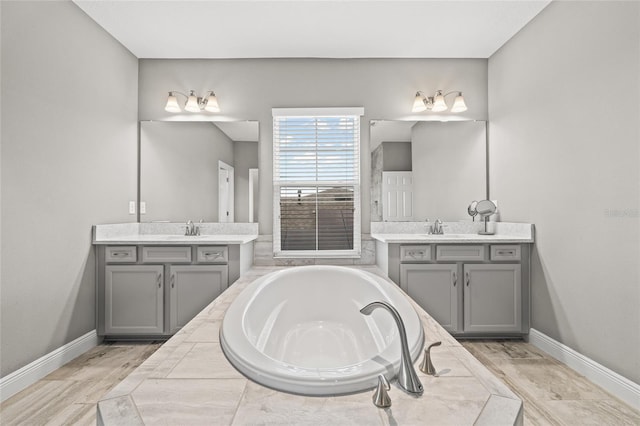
486,208
179,177
426,169
253,195
471,210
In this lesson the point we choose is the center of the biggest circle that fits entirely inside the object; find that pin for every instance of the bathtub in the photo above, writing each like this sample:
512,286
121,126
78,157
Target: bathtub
300,330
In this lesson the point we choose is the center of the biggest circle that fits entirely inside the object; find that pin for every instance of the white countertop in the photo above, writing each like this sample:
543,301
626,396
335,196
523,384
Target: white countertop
454,233
168,240
449,238
188,381
173,234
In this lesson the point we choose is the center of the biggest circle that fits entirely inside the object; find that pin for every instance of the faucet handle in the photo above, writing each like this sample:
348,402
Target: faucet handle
381,397
427,366
189,230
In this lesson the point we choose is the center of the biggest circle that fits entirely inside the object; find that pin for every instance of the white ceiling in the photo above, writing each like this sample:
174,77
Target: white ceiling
312,29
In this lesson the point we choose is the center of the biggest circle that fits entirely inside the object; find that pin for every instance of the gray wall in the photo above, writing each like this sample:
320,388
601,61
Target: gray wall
396,156
245,156
179,170
69,113
449,168
249,88
564,98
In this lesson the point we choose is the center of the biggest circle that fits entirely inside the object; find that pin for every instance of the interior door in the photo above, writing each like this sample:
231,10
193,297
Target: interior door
397,196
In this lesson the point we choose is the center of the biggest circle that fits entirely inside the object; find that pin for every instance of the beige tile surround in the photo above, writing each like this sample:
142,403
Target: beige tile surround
552,393
189,381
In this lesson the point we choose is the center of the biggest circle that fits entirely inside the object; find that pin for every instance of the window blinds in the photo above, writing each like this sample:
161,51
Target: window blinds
316,182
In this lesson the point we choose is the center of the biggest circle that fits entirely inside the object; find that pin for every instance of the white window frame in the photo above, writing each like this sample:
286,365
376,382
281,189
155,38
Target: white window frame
357,226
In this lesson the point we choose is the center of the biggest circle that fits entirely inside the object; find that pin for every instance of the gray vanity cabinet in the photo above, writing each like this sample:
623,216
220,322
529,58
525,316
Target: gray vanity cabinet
152,291
474,290
134,299
436,289
493,298
191,288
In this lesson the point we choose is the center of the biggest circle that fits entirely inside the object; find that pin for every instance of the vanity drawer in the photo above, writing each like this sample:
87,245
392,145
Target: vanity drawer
121,254
416,253
213,254
505,252
151,254
459,252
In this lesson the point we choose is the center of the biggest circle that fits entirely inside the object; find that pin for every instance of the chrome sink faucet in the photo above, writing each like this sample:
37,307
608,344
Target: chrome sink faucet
436,228
407,376
192,230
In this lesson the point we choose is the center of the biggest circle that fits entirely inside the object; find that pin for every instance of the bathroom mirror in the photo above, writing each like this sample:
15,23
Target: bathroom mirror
426,169
198,170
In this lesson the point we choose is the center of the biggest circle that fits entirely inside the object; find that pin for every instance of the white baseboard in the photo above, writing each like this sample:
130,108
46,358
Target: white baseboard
614,383
31,373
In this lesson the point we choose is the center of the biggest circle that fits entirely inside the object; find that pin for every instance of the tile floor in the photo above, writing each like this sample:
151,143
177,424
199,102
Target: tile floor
552,393
68,396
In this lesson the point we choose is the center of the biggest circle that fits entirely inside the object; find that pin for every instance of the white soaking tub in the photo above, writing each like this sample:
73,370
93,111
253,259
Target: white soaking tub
300,330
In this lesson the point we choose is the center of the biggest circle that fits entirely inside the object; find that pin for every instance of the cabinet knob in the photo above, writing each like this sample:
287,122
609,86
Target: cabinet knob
467,278
159,280
455,279
173,280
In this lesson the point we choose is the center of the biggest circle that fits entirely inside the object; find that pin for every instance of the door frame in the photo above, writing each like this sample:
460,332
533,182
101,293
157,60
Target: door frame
226,212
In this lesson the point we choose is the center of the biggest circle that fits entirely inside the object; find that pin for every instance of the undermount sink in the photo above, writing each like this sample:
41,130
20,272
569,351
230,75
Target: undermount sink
182,237
448,236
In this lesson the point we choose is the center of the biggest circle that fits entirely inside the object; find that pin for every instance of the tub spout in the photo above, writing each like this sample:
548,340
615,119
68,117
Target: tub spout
407,376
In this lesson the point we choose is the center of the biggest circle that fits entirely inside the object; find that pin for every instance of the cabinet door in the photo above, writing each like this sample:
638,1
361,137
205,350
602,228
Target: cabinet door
191,289
436,289
133,299
492,298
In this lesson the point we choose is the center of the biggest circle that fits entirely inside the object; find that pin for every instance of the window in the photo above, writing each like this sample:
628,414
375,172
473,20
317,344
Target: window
316,164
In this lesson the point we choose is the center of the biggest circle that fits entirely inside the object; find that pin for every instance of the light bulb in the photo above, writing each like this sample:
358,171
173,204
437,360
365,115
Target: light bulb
418,103
212,103
192,103
172,104
439,104
458,104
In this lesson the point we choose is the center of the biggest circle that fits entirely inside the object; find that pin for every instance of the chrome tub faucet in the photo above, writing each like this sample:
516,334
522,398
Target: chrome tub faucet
407,376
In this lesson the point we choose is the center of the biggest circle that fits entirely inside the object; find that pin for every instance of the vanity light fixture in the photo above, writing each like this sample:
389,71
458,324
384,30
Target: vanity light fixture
194,103
437,103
